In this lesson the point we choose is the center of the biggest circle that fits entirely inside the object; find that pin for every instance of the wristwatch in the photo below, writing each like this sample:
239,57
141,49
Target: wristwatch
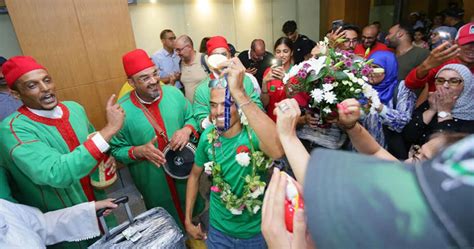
443,114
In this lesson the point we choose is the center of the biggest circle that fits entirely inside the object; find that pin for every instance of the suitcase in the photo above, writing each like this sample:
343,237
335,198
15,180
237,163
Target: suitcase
154,228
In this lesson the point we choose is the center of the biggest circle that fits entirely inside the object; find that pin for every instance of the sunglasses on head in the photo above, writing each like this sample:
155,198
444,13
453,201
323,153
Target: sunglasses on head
218,83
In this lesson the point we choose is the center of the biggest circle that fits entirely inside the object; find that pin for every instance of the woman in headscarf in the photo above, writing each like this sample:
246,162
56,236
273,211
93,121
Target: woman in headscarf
449,108
397,104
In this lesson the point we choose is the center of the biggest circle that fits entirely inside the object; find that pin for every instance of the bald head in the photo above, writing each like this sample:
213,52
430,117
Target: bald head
369,36
257,49
185,40
184,48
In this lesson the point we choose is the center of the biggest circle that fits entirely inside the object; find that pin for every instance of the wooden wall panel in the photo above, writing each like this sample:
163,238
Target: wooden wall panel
81,42
49,31
351,11
104,22
89,98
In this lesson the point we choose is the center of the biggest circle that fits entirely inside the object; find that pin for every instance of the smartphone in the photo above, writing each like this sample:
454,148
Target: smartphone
445,36
337,24
253,65
277,63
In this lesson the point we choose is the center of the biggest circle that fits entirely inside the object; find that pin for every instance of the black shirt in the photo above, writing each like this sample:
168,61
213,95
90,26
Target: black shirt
301,47
417,132
261,66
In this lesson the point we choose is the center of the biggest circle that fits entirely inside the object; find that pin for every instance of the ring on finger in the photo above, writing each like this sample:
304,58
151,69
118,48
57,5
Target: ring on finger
283,107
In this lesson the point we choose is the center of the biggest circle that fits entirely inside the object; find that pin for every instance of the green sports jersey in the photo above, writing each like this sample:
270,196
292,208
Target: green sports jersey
242,226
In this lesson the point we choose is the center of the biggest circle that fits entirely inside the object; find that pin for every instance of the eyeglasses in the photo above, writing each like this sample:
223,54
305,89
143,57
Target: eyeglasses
147,79
351,41
178,50
451,81
368,38
218,83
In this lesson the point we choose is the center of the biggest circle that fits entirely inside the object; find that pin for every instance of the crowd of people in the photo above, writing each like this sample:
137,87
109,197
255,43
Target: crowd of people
251,139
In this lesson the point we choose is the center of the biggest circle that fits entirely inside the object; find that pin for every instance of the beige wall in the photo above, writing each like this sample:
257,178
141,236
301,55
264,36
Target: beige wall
240,21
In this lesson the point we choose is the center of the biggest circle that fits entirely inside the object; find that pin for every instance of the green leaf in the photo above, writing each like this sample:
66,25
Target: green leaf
340,76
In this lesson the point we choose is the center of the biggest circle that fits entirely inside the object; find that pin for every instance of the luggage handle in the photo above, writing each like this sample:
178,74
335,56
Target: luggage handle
100,214
121,200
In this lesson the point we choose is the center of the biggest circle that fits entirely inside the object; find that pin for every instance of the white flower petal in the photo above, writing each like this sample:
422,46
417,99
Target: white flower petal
243,159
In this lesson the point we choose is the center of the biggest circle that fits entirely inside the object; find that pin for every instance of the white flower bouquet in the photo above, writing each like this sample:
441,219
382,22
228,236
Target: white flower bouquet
331,78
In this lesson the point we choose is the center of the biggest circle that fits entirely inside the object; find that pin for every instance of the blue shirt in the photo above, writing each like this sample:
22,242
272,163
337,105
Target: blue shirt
8,105
167,63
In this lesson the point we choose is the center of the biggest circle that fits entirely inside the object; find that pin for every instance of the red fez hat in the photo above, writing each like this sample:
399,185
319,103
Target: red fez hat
17,66
135,61
216,42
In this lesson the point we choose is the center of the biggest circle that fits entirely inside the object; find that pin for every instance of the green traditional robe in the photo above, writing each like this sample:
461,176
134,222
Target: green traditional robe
202,96
47,158
172,111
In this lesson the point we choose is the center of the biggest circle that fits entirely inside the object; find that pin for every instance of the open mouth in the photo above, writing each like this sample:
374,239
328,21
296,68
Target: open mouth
48,98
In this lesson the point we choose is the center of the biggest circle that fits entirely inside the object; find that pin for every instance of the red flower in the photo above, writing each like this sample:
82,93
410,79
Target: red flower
242,148
294,80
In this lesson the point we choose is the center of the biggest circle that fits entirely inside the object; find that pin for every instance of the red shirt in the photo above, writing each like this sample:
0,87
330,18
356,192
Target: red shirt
412,82
276,93
360,50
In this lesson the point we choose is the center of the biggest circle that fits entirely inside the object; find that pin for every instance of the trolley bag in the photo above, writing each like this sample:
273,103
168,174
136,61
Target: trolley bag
154,228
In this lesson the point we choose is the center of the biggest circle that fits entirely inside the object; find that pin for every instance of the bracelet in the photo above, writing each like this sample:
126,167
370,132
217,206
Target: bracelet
245,103
131,154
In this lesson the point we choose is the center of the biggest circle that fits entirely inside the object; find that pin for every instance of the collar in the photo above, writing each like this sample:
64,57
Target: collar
250,57
55,113
145,102
166,53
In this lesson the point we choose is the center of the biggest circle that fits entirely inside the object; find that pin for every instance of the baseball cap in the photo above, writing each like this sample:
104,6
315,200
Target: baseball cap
465,34
355,200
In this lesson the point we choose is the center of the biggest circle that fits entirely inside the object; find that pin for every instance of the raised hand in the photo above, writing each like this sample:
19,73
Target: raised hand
235,73
278,72
273,218
287,113
336,37
432,101
149,152
349,113
115,116
445,99
439,55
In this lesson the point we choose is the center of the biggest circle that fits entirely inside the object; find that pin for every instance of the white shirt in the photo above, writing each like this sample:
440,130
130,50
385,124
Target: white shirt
22,226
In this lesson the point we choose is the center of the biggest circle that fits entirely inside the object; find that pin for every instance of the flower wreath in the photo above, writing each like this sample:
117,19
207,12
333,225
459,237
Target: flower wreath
253,187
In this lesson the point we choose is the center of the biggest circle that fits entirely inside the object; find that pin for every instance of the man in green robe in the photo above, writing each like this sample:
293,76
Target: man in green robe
202,95
44,144
232,227
156,116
